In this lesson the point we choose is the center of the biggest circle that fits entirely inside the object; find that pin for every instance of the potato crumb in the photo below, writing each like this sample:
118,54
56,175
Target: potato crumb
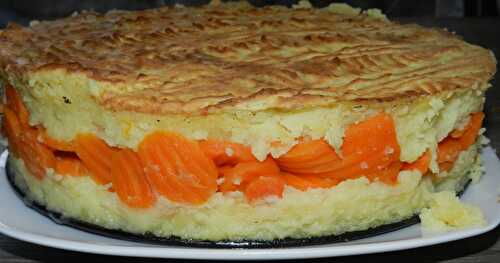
220,181
107,186
447,213
237,181
229,151
388,150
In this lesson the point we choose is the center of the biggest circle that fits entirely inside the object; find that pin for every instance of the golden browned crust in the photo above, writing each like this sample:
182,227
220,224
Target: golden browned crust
233,56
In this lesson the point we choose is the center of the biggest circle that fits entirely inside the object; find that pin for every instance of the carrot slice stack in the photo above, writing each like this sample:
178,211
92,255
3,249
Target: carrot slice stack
96,156
369,147
373,136
23,139
378,161
177,168
129,180
239,176
313,156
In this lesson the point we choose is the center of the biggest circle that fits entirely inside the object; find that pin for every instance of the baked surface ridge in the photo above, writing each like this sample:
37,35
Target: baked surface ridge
237,57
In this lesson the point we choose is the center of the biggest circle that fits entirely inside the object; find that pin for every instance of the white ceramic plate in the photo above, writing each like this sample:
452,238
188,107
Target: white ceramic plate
18,221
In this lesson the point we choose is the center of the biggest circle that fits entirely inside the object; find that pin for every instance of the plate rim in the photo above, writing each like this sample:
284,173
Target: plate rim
159,251
236,254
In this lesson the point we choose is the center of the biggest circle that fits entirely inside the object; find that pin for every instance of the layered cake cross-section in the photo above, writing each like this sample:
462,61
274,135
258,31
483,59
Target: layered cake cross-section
231,122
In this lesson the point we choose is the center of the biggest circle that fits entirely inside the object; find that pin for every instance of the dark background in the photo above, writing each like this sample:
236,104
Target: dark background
22,11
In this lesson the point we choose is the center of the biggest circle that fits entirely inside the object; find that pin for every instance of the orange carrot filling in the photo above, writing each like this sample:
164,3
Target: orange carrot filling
67,164
370,147
263,187
238,177
458,141
421,164
129,179
96,156
187,171
177,168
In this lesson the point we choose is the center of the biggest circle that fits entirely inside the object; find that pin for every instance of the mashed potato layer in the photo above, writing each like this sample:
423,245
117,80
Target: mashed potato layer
420,123
446,213
352,205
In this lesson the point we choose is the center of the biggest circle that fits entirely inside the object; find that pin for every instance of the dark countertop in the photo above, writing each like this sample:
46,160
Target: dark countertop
483,248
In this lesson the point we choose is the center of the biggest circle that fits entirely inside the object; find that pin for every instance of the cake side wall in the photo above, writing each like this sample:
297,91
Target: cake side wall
65,104
352,205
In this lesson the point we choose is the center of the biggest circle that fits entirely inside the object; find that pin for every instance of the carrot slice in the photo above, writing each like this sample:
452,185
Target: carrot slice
70,165
224,173
458,133
224,170
314,156
457,141
238,177
469,136
37,160
15,103
372,164
318,164
354,164
160,173
445,166
448,150
421,164
322,160
309,151
296,181
11,129
96,156
374,135
319,182
388,175
371,135
129,180
177,168
263,187
55,144
305,182
226,153
36,156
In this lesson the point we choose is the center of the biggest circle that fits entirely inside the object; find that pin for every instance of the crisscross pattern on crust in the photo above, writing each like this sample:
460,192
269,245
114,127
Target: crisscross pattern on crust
234,56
